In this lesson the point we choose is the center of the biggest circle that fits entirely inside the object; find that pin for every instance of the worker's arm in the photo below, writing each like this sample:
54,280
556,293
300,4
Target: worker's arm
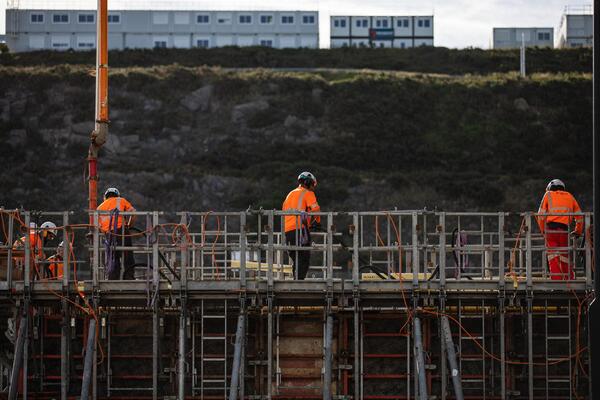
313,206
129,208
578,219
541,220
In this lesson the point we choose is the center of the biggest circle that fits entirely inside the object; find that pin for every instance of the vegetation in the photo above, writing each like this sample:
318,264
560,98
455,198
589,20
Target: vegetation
421,59
375,140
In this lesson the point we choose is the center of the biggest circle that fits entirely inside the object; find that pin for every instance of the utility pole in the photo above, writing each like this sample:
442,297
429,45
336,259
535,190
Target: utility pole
594,310
523,71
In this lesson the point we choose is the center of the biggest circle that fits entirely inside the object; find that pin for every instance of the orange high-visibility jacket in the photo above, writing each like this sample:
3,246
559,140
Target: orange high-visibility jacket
299,199
559,202
55,266
36,245
110,204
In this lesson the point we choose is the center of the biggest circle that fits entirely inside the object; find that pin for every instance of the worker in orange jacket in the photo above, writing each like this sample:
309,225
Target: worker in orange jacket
297,227
38,238
112,226
555,227
55,263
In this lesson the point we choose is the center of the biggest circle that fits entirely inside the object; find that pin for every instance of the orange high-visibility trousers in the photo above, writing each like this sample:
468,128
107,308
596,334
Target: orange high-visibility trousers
558,259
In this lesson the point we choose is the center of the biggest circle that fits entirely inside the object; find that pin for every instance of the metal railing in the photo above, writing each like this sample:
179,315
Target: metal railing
409,246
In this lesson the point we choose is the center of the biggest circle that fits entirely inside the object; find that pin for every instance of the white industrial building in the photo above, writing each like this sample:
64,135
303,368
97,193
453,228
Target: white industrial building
576,27
28,30
512,38
378,31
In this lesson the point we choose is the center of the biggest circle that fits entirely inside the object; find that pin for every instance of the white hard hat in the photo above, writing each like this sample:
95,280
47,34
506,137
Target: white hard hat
112,190
307,178
555,183
49,226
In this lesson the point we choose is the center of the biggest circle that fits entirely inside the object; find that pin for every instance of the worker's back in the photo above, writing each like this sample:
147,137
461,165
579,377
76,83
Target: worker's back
300,199
556,203
110,204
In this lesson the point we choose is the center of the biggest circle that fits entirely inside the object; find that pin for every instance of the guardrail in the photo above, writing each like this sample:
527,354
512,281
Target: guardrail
409,246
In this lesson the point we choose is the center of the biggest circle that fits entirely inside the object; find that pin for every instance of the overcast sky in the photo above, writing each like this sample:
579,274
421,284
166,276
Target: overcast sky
457,24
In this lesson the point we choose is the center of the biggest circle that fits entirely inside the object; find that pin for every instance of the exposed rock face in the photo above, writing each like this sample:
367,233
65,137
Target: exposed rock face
242,112
198,100
211,140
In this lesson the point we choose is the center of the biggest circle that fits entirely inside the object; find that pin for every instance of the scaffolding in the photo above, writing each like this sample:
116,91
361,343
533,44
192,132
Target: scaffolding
396,305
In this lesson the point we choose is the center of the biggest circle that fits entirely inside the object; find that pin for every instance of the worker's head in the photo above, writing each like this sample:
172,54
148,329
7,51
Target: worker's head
555,184
307,180
48,230
111,192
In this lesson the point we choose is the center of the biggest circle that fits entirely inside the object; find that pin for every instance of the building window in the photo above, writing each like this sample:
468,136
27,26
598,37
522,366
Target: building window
544,36
420,23
362,23
160,44
114,18
339,23
85,18
224,19
308,19
37,18
402,45
266,19
245,19
382,23
60,18
266,43
402,23
202,43
287,19
427,23
202,19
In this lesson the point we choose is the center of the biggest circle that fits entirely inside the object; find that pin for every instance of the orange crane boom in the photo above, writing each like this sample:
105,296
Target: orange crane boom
100,133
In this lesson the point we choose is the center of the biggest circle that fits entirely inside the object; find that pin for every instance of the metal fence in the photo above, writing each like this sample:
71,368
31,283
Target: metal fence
409,246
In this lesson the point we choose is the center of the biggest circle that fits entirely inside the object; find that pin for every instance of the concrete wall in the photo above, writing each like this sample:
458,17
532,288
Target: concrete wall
48,29
510,38
407,31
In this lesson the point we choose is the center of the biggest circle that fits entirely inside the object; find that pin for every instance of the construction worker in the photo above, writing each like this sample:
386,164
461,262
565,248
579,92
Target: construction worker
297,227
55,263
555,227
38,239
117,234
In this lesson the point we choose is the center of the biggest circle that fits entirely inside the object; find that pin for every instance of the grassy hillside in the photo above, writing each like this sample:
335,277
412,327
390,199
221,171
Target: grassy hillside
422,59
203,138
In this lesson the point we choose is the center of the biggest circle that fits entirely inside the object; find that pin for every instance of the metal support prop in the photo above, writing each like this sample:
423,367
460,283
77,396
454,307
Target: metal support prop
328,362
155,302
181,361
451,354
65,331
237,356
356,299
420,359
594,311
502,315
530,347
270,348
89,360
18,356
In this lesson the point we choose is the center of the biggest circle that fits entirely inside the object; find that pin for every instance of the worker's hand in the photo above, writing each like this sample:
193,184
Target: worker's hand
575,233
315,226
